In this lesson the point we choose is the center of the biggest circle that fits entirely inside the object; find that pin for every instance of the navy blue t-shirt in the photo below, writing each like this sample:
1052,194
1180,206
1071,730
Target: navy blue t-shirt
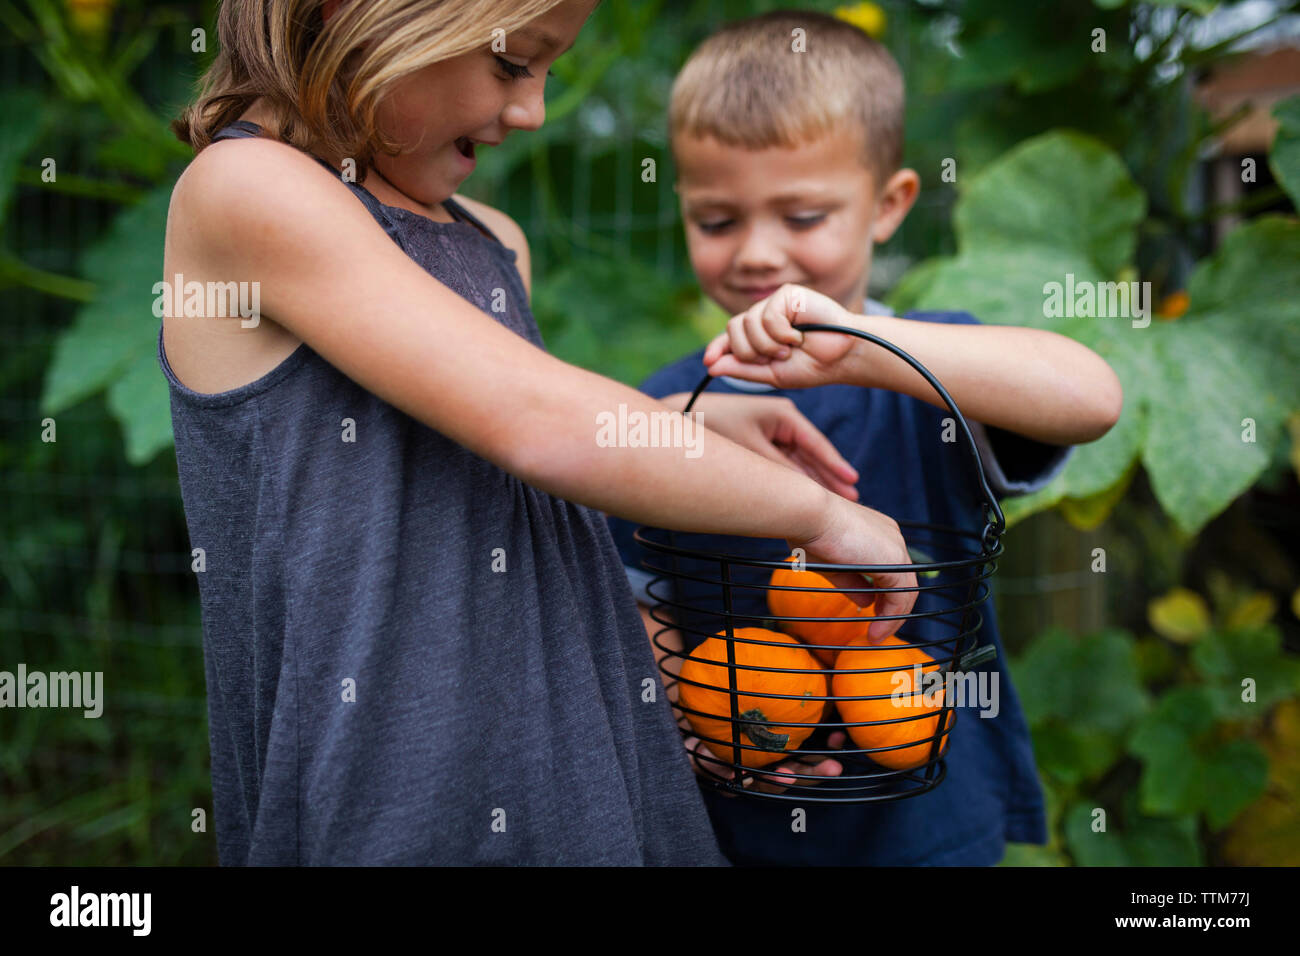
991,794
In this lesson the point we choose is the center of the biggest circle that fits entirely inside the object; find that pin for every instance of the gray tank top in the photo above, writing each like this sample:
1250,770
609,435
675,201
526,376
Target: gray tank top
413,657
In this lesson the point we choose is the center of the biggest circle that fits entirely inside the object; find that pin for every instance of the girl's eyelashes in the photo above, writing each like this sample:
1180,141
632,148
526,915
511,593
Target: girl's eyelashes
515,70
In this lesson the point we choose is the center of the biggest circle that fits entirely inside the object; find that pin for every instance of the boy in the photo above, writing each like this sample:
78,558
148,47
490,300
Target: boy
788,158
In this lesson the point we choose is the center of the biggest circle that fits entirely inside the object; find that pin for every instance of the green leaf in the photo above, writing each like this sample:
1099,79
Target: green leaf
22,120
141,403
1254,611
1186,770
1080,696
113,341
1236,774
1226,658
1267,833
1130,839
1030,854
1156,661
1156,842
1089,681
1205,398
1087,514
1181,616
1018,202
1284,158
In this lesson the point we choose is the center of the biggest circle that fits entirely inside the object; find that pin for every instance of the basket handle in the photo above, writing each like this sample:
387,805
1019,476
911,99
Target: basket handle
995,523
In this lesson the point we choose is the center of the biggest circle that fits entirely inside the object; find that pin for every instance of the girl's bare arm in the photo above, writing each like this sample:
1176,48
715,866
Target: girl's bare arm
257,210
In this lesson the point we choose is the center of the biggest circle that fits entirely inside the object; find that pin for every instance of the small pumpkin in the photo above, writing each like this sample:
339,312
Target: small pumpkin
763,719
892,653
827,601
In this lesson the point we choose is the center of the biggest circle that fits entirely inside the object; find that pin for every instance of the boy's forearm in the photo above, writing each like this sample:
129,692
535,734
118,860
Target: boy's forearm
1030,381
578,444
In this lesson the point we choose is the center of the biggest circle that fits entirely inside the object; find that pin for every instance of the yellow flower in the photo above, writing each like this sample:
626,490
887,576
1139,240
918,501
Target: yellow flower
867,17
90,16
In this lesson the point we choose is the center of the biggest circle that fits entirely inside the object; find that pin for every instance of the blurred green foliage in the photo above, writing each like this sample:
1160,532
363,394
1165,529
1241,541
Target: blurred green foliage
1067,159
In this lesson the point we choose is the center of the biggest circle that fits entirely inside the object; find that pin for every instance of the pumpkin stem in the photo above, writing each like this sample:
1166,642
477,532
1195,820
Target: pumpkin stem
758,733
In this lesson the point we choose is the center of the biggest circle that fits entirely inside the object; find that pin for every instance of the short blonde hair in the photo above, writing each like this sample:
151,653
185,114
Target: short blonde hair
746,86
324,81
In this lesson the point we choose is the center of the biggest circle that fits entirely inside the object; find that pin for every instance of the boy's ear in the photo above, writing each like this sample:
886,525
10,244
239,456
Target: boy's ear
894,203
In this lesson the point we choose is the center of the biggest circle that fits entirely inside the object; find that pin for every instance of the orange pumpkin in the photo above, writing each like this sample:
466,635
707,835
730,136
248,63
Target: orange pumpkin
825,602
763,719
893,653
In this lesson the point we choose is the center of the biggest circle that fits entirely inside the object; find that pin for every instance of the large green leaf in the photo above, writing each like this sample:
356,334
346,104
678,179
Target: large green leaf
113,340
1285,156
1080,696
1134,840
1226,658
1019,205
1062,205
1090,679
1187,769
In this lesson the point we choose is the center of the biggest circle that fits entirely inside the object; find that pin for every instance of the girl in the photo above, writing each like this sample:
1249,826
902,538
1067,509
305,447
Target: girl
419,646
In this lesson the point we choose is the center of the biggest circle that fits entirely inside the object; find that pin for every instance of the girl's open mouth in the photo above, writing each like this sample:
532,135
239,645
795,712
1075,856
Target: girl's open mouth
466,147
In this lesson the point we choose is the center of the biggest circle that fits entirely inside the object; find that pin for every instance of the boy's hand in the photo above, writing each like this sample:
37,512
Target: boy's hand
773,427
763,344
775,780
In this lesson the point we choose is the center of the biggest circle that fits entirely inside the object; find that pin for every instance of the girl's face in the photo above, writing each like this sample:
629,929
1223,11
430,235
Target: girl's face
444,112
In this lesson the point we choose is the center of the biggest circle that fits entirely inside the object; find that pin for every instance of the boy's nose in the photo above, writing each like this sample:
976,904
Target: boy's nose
759,250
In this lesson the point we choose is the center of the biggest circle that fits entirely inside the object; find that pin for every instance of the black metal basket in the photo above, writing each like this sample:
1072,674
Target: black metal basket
885,757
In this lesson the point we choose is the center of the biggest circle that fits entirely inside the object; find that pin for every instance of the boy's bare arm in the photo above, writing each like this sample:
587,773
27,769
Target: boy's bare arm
1037,383
1031,381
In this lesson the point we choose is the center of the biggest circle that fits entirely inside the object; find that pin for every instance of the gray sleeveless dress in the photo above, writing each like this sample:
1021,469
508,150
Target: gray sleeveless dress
380,690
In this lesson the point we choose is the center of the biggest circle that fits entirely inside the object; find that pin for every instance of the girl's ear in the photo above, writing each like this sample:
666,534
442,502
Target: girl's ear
894,203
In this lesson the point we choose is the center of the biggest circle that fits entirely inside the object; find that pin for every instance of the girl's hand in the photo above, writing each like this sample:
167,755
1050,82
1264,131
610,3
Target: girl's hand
852,534
773,427
764,345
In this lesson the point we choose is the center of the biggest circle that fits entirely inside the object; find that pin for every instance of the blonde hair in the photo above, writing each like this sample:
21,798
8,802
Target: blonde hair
324,81
746,86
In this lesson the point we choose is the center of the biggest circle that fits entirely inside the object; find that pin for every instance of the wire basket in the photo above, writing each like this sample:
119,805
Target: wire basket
754,689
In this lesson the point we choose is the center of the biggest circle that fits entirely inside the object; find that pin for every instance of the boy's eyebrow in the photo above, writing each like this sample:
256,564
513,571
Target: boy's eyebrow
786,197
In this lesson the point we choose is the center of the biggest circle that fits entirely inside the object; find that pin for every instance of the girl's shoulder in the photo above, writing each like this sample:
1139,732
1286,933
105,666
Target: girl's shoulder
244,171
507,230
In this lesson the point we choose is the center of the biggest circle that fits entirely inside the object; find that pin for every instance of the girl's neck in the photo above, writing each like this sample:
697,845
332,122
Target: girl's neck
374,181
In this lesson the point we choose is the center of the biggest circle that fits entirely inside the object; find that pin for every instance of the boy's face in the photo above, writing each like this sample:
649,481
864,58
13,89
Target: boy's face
757,219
